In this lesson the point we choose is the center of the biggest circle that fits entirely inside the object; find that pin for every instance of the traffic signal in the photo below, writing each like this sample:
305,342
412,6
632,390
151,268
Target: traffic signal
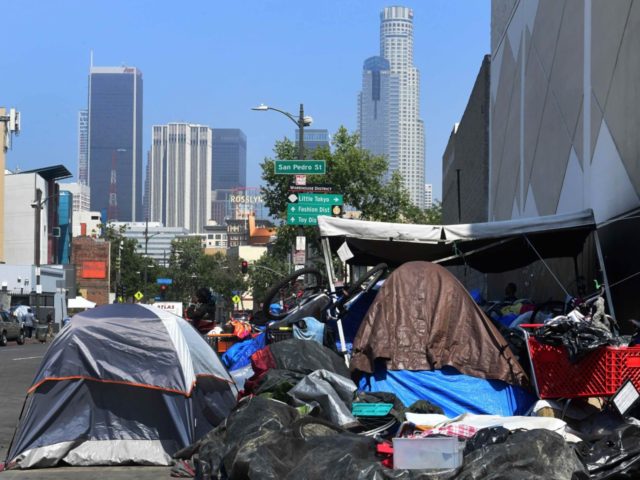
244,267
163,291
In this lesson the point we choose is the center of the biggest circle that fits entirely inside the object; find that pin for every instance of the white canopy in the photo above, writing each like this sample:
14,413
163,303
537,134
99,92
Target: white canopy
80,302
504,244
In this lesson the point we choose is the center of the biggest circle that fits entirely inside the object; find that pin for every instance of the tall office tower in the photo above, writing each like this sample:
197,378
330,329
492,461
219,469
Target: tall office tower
402,129
115,142
314,138
180,176
229,159
378,110
229,172
83,146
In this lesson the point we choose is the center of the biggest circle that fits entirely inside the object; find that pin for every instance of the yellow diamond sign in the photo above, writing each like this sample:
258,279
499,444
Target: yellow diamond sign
138,295
235,299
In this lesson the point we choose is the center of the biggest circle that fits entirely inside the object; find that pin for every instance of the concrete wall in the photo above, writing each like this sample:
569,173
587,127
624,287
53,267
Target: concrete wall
564,120
468,152
20,218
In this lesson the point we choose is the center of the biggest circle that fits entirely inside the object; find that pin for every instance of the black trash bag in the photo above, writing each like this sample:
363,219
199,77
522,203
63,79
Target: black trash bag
305,357
277,382
486,437
525,455
253,418
615,456
579,338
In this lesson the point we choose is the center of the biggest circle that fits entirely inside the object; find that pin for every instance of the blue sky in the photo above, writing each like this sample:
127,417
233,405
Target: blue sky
209,62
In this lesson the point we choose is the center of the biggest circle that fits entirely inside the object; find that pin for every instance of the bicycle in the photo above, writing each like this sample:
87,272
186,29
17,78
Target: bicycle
302,294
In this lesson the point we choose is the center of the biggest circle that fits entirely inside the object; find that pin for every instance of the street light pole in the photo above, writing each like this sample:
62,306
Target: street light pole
301,133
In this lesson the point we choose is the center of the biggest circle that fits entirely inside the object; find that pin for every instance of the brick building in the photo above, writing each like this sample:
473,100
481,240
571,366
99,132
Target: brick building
91,257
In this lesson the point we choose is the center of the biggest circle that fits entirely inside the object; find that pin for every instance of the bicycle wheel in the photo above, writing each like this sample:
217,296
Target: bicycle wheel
363,284
291,293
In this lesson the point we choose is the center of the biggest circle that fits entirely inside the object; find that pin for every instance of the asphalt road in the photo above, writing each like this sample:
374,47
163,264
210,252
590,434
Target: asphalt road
18,366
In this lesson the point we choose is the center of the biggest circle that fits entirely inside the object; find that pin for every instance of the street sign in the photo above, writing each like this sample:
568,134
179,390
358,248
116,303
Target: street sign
317,198
300,167
315,188
138,295
301,219
235,299
303,208
164,281
300,180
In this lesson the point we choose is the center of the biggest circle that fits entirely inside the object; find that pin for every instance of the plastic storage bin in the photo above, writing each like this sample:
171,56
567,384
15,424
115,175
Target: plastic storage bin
600,373
433,453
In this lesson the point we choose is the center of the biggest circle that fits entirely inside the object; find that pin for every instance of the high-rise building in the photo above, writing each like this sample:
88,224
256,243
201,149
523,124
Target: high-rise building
115,142
83,146
389,106
428,195
314,138
229,159
229,171
180,176
378,110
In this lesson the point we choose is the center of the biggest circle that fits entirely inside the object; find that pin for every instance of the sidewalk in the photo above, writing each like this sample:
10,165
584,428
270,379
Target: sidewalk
94,473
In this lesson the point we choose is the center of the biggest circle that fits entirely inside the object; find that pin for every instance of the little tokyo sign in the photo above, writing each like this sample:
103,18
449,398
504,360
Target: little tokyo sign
316,198
300,167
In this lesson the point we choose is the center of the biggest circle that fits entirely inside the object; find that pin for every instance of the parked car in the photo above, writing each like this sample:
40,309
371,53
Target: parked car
10,329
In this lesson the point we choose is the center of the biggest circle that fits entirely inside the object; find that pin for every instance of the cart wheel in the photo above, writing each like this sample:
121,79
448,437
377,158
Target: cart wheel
291,293
363,284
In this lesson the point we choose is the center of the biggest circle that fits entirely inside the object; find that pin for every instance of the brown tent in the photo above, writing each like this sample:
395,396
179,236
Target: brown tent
423,319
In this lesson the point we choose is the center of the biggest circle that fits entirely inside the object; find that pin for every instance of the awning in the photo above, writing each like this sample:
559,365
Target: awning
487,247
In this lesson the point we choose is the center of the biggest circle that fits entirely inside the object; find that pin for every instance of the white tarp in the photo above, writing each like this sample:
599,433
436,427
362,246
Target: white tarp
80,302
402,232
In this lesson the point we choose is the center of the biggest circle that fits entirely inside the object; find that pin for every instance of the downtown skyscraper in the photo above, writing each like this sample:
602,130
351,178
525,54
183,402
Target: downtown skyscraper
115,142
389,104
180,176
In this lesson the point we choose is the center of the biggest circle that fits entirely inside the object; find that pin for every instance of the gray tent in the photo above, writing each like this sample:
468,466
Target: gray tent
121,384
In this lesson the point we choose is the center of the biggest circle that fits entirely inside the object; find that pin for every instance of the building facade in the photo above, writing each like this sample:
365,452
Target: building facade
313,139
229,159
180,176
154,239
115,142
83,147
564,122
465,162
403,130
428,195
81,195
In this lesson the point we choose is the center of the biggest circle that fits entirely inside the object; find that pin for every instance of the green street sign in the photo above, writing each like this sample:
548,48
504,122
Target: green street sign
301,167
308,209
301,219
317,198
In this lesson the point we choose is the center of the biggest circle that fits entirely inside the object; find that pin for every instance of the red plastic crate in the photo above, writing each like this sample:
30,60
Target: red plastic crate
600,373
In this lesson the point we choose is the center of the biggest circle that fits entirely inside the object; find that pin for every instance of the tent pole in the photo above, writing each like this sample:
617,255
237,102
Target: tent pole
326,251
607,290
553,275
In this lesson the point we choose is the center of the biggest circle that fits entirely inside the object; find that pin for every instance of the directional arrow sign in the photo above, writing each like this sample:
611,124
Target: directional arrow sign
300,167
301,219
317,198
308,209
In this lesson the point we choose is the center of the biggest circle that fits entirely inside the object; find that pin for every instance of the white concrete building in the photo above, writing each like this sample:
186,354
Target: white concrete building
158,238
180,176
391,95
81,196
428,195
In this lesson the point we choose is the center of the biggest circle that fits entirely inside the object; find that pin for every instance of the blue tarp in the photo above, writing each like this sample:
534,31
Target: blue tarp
239,355
454,392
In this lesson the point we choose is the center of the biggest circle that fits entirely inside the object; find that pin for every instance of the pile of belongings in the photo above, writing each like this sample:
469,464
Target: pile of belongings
298,420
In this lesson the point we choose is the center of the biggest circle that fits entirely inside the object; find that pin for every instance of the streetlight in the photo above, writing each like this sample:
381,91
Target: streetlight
300,122
146,259
38,204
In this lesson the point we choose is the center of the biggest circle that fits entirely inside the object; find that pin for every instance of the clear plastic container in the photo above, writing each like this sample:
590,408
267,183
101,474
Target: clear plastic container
427,453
